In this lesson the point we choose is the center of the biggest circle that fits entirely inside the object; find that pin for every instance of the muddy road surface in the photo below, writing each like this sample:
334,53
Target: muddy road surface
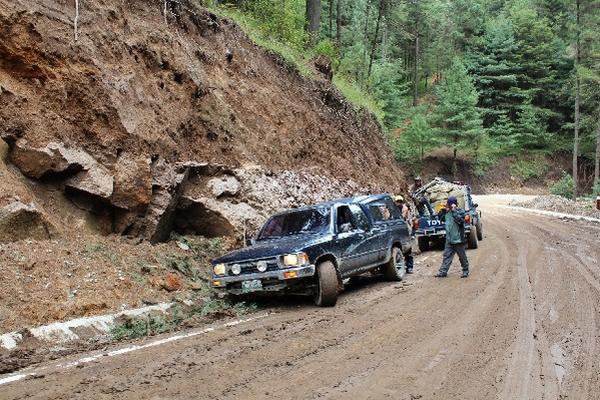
523,326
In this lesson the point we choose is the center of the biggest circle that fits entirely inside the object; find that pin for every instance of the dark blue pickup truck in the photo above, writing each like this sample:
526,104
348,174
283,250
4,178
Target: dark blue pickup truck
311,250
428,228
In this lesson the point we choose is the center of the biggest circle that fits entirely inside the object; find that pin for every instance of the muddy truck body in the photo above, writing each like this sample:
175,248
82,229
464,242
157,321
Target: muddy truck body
311,250
430,228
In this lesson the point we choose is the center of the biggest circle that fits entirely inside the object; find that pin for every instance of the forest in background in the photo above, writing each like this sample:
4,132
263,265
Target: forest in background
482,78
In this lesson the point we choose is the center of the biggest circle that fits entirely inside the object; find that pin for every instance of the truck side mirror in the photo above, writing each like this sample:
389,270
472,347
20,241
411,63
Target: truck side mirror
475,205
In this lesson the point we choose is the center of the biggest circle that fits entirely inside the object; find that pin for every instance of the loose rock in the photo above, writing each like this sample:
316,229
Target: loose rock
20,221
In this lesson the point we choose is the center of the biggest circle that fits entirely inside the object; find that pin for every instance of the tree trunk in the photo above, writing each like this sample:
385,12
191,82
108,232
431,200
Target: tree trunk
416,64
374,41
313,21
577,95
597,160
331,19
454,166
366,43
338,24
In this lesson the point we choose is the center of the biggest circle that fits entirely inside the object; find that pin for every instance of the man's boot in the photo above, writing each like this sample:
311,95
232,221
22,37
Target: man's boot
441,275
465,274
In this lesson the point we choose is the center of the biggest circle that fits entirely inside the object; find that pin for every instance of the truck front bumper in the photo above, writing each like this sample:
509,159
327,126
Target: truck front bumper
281,275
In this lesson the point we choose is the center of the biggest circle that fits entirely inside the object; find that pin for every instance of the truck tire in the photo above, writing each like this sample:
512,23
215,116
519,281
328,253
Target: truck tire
479,230
394,270
423,242
327,285
472,238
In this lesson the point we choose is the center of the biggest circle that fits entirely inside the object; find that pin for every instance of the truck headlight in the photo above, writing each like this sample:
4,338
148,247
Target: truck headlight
236,269
295,260
220,269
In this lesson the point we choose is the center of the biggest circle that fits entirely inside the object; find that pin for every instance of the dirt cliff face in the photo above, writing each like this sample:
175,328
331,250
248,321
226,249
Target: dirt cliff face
132,83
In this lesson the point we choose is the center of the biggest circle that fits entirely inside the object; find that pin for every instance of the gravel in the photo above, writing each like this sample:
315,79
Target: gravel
585,207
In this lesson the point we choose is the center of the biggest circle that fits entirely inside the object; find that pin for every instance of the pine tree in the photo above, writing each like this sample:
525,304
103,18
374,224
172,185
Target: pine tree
492,62
531,133
457,116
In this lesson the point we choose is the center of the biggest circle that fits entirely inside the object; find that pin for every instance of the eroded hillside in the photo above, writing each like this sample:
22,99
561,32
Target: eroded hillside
145,128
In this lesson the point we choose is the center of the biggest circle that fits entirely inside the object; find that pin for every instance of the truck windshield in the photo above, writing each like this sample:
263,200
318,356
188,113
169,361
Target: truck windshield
314,220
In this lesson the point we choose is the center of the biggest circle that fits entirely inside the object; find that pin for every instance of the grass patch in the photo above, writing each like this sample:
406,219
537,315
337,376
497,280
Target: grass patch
154,324
292,58
358,97
525,170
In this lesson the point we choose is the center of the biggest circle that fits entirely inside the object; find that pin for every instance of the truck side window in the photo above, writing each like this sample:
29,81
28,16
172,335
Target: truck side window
345,221
359,217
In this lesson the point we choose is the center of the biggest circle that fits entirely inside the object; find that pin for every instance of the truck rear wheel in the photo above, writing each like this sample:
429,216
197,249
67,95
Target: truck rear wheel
423,242
394,270
479,230
472,238
327,285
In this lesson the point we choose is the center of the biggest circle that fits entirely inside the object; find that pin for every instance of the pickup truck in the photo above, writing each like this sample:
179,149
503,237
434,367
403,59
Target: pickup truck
428,228
311,250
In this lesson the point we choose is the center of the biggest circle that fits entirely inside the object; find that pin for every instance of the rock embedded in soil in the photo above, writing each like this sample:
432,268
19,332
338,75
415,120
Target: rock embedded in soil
132,183
167,186
84,172
225,185
3,150
21,221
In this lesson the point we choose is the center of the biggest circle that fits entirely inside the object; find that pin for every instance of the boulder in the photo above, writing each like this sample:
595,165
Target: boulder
3,150
37,162
213,218
167,186
20,221
85,173
225,185
132,183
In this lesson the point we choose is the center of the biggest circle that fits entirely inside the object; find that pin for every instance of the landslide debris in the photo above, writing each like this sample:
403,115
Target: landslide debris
144,130
122,119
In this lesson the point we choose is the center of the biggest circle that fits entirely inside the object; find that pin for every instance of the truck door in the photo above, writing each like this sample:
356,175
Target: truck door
350,240
370,239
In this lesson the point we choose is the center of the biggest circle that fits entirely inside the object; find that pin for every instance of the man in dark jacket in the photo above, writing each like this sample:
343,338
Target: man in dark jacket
456,240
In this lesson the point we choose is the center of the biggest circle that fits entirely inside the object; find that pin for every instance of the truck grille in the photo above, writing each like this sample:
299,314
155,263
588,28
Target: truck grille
250,267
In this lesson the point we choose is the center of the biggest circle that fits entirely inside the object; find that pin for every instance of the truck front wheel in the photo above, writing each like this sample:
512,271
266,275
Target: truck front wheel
479,230
327,285
395,269
472,238
423,242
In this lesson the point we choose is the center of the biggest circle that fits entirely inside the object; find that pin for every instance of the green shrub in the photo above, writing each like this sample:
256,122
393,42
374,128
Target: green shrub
564,186
529,169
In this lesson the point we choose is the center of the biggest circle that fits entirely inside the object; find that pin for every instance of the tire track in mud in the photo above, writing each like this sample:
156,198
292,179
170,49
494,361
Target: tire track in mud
579,381
429,361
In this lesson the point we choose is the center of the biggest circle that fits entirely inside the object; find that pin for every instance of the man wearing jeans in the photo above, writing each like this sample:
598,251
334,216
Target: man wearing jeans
456,240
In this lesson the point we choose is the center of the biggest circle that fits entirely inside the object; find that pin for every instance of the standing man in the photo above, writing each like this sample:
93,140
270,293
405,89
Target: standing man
456,240
408,257
598,202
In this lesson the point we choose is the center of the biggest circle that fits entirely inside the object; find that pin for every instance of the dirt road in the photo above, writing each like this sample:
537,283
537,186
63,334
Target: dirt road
523,326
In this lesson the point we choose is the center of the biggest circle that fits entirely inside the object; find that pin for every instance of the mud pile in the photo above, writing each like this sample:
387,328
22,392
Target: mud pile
144,109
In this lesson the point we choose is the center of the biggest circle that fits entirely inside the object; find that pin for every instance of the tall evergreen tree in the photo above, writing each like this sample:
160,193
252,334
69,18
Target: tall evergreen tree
457,116
492,62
